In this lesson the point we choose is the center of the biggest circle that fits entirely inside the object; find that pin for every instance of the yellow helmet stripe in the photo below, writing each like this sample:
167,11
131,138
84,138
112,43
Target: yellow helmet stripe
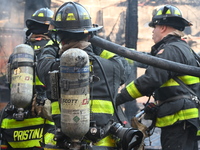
168,12
41,15
70,16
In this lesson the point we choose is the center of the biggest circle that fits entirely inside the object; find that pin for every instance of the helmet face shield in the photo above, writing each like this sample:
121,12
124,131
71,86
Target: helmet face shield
170,16
73,17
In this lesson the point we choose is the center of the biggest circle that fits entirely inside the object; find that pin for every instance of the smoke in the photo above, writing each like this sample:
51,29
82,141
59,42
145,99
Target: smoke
10,33
12,25
32,5
172,2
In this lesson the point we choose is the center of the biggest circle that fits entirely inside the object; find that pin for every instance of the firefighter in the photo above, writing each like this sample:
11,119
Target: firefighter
131,108
174,111
37,29
28,130
73,26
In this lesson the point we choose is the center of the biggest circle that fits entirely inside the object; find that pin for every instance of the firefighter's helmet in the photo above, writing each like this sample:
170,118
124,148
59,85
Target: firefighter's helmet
42,16
169,15
73,17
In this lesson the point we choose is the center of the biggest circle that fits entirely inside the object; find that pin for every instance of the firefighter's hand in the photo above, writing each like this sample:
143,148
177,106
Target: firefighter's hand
46,111
150,108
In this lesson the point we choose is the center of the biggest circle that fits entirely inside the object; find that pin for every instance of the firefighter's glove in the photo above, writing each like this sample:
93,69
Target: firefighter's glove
46,111
150,111
41,110
150,108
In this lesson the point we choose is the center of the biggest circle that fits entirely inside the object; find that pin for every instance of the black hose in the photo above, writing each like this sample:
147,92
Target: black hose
146,59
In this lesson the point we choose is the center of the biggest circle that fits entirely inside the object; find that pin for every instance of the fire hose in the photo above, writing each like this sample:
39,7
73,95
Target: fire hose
144,58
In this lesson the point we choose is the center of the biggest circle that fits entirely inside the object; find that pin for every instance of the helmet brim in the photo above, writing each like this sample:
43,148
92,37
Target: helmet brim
154,22
82,30
151,24
63,26
29,22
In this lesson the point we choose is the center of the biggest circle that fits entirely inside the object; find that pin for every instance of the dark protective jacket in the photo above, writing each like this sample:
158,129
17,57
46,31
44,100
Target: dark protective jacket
164,87
27,134
113,68
102,109
130,66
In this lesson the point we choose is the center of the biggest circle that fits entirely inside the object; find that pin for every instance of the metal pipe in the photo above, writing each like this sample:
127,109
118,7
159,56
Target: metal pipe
145,58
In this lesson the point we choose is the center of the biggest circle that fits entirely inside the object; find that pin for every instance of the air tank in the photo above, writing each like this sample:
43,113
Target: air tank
74,90
22,72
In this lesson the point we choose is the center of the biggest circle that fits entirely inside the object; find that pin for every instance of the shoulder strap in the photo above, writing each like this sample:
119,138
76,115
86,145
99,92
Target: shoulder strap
196,56
183,84
193,94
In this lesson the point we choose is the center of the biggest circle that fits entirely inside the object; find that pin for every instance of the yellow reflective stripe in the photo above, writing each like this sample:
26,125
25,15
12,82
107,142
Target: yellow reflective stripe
180,115
58,17
189,79
101,106
49,43
198,133
186,79
12,123
132,90
177,12
159,13
86,16
70,16
130,61
49,122
36,47
170,82
55,108
107,55
168,11
37,81
49,139
91,67
107,141
41,15
25,144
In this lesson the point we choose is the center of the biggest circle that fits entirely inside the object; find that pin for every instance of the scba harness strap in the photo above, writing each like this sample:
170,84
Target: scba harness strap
193,96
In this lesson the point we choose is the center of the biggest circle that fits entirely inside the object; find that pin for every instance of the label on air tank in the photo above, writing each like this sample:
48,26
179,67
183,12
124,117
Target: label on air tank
75,108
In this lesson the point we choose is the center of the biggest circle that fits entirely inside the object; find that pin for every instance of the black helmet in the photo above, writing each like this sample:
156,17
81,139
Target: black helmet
169,15
73,17
39,21
42,16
